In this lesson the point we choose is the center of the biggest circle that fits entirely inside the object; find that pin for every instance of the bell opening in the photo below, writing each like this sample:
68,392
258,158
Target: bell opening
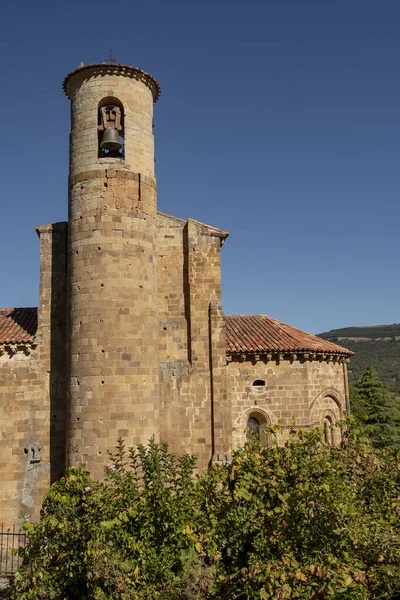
110,127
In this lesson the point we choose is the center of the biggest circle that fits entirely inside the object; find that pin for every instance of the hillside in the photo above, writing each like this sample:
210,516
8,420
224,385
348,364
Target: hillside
378,345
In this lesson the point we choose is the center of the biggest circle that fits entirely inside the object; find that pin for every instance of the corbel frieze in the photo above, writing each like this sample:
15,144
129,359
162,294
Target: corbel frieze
11,349
255,357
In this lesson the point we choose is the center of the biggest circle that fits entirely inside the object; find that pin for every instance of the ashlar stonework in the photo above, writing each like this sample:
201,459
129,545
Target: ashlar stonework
130,339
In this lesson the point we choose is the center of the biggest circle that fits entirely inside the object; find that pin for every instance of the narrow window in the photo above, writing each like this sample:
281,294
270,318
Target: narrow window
110,127
328,430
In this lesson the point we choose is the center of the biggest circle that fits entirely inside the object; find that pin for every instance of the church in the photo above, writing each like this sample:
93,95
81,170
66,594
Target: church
129,339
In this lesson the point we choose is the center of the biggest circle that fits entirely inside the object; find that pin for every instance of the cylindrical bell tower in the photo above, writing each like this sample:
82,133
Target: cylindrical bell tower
112,273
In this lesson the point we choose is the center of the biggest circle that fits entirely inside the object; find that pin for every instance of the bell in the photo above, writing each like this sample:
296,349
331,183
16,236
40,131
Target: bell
110,140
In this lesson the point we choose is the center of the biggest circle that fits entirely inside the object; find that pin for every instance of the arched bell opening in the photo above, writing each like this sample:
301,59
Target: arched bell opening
110,128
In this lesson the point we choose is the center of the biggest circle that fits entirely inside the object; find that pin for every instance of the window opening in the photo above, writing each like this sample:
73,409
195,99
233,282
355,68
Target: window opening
257,428
253,428
110,127
328,431
259,383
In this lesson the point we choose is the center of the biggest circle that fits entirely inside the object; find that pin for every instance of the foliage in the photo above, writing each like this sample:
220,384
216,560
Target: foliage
371,332
370,348
302,521
376,410
384,356
121,538
306,521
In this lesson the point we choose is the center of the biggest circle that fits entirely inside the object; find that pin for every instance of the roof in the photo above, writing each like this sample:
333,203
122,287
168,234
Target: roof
252,334
113,68
245,334
18,325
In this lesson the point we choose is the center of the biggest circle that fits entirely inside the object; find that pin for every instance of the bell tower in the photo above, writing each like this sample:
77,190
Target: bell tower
112,272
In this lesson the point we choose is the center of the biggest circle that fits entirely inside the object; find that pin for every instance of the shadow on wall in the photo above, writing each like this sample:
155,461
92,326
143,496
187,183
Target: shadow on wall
186,291
58,352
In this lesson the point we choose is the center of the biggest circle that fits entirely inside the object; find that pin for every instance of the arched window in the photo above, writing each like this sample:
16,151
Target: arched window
110,127
253,428
328,430
256,426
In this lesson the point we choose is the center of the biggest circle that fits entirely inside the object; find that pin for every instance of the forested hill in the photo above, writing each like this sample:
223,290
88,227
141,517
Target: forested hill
378,345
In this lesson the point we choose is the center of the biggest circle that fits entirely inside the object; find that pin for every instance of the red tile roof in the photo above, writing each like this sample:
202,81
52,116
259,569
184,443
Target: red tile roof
18,325
245,334
258,333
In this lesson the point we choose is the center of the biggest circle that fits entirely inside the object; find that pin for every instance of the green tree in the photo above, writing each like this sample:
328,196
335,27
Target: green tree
376,410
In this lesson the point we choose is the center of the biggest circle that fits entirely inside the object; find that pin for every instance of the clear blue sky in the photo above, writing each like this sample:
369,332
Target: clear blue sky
278,121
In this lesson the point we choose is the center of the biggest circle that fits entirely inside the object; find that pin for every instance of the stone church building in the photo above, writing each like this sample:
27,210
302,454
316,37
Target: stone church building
129,339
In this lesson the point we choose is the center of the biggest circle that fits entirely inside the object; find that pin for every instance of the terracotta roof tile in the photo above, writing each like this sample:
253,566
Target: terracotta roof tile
18,325
259,333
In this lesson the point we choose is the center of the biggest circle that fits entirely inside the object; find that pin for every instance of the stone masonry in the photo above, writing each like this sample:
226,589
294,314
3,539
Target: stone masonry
112,278
130,339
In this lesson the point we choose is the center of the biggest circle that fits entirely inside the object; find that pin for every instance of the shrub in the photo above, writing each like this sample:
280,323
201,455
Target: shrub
301,521
305,521
126,537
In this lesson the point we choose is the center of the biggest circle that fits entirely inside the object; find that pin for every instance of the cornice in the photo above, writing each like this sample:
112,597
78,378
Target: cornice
278,357
87,71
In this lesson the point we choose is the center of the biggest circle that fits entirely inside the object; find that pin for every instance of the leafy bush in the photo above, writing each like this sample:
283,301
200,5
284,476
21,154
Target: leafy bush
122,538
305,521
302,521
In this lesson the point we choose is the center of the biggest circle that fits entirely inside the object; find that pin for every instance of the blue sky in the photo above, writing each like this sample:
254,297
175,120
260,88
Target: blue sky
278,121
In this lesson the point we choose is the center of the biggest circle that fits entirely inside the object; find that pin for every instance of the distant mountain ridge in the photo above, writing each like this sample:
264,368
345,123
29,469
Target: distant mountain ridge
377,344
366,332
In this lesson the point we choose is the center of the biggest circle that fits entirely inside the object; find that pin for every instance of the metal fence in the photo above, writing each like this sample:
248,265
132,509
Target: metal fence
11,538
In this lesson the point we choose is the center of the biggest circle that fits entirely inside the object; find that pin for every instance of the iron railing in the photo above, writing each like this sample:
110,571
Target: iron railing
11,539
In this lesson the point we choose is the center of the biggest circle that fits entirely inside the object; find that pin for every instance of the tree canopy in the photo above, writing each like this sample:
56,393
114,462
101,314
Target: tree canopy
376,410
379,346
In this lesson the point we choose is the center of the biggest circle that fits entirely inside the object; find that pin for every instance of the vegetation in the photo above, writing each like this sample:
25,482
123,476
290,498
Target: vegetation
303,521
369,349
372,332
376,410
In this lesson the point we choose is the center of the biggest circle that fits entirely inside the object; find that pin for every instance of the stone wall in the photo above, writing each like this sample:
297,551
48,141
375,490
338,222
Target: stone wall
32,393
192,344
24,439
174,323
297,393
